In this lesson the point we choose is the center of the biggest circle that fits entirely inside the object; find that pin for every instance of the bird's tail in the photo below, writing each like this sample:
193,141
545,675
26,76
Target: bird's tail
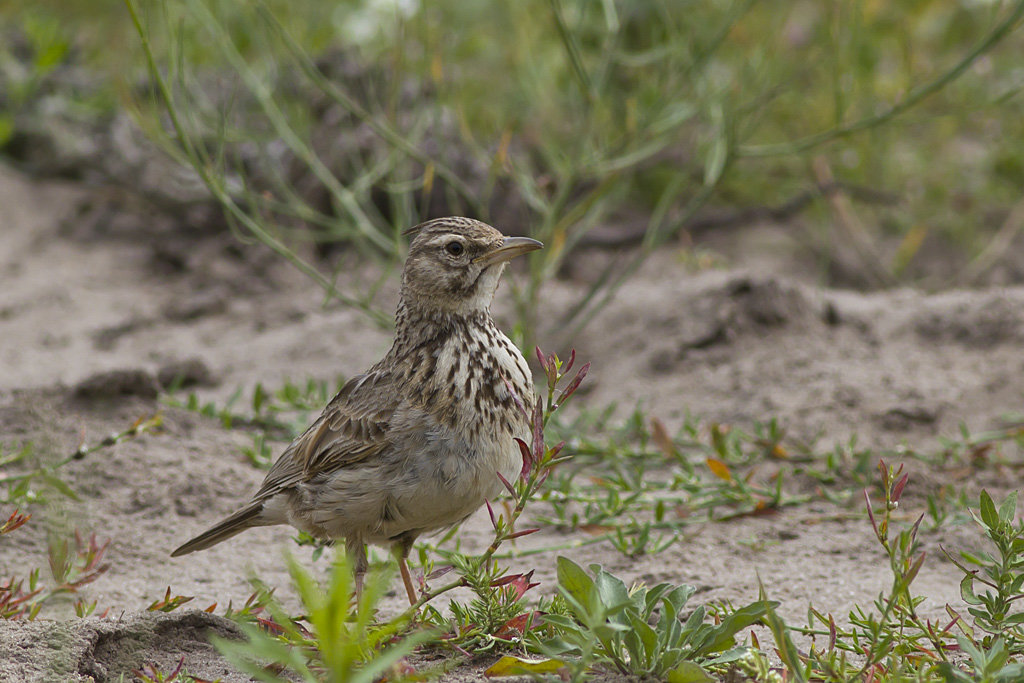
244,519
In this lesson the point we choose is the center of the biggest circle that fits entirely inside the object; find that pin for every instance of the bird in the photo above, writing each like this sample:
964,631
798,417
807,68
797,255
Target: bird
415,444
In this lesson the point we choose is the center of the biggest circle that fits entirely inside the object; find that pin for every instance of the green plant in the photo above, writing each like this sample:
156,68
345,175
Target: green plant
23,487
988,664
1002,576
71,567
340,642
149,673
169,602
893,643
639,631
882,641
496,619
608,110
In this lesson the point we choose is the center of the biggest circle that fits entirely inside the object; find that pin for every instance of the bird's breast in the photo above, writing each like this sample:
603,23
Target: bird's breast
475,414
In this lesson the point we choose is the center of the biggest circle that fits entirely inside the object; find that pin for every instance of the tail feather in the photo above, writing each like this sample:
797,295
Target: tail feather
245,518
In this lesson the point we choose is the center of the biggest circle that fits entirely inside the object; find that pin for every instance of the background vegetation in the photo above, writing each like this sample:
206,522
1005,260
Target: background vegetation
347,122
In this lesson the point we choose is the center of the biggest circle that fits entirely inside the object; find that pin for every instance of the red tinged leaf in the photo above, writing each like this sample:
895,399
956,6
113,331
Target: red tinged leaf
527,459
959,621
662,440
505,580
552,370
14,521
568,365
541,359
508,487
897,488
518,626
269,625
917,525
538,433
177,669
525,532
914,569
490,511
439,572
461,651
573,385
512,628
521,583
871,513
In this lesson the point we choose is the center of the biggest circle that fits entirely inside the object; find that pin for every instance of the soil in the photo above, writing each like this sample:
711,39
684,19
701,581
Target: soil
98,311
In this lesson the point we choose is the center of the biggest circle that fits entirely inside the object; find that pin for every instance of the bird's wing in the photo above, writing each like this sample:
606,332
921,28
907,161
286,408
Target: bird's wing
353,427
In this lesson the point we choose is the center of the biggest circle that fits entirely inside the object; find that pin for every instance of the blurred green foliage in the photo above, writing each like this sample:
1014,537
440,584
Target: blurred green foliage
596,112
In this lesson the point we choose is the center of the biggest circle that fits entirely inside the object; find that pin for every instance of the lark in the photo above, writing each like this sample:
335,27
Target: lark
415,444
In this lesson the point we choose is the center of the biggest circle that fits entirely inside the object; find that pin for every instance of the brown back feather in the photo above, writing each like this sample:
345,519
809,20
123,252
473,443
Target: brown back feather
351,428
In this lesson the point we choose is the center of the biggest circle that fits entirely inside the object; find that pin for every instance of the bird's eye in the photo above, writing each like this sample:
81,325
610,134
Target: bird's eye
455,248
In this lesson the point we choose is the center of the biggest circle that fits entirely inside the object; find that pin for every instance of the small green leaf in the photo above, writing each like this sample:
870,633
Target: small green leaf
718,154
679,595
259,397
574,580
688,672
729,656
784,643
652,598
988,511
59,484
746,616
1008,509
951,674
50,56
518,666
648,638
610,589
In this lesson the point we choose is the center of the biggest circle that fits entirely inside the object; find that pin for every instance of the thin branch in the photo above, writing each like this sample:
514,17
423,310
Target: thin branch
572,50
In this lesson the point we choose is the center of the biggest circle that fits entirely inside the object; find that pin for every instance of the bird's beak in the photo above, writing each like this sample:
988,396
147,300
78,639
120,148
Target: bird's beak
509,249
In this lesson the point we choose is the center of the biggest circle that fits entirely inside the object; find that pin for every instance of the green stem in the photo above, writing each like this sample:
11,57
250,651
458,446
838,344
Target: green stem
571,49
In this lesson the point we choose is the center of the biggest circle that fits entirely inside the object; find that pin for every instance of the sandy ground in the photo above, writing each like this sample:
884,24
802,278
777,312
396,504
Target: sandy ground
733,345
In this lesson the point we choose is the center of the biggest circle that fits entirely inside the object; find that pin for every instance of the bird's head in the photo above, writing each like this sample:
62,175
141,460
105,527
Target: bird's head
454,264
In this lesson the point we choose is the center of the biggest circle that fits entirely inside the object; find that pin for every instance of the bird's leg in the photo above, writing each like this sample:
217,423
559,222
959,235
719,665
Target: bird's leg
356,550
401,550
